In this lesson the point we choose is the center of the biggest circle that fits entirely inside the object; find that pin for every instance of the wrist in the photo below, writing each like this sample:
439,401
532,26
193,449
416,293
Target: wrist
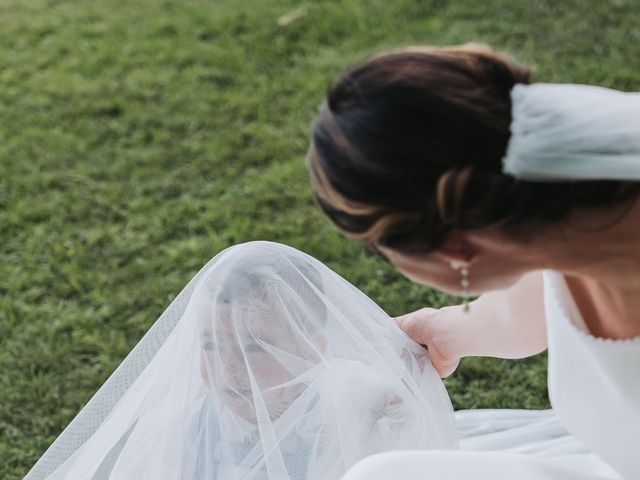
453,326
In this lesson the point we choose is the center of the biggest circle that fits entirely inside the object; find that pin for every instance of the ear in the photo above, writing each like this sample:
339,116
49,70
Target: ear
459,247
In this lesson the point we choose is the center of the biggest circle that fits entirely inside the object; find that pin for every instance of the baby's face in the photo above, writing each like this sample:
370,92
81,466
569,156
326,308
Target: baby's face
250,352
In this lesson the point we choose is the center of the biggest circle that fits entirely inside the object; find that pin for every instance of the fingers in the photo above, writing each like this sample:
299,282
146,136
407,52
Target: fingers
414,323
407,325
447,369
400,321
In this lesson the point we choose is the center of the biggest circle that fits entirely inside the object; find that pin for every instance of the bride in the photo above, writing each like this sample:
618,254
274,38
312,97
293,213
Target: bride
450,164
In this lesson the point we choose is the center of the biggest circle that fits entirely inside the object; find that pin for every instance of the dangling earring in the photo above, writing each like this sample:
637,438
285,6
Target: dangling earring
464,282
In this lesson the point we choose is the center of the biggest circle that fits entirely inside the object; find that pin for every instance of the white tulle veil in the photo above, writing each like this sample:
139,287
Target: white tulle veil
268,365
573,132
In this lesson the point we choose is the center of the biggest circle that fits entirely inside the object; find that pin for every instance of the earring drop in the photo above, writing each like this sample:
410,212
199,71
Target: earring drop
464,281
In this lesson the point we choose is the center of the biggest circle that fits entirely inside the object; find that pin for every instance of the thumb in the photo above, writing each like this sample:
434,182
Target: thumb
413,323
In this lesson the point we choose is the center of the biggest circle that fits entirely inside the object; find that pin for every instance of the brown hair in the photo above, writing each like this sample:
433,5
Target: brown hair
408,148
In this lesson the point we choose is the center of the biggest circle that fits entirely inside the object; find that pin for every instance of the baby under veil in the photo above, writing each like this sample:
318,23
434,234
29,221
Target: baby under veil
268,365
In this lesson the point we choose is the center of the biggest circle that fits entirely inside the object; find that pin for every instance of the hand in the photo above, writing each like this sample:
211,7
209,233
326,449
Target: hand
429,327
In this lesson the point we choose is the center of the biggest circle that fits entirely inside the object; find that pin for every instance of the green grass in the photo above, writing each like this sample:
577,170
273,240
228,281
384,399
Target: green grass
140,138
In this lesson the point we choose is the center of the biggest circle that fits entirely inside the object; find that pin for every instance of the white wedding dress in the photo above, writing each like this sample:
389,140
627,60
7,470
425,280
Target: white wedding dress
594,387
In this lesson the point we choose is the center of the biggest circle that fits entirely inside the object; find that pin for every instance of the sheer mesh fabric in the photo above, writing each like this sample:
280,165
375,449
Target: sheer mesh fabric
573,132
268,365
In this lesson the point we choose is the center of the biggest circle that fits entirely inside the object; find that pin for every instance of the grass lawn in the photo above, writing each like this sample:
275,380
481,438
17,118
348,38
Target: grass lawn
140,138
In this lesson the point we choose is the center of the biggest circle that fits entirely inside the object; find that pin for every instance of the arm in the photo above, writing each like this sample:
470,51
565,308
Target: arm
507,323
